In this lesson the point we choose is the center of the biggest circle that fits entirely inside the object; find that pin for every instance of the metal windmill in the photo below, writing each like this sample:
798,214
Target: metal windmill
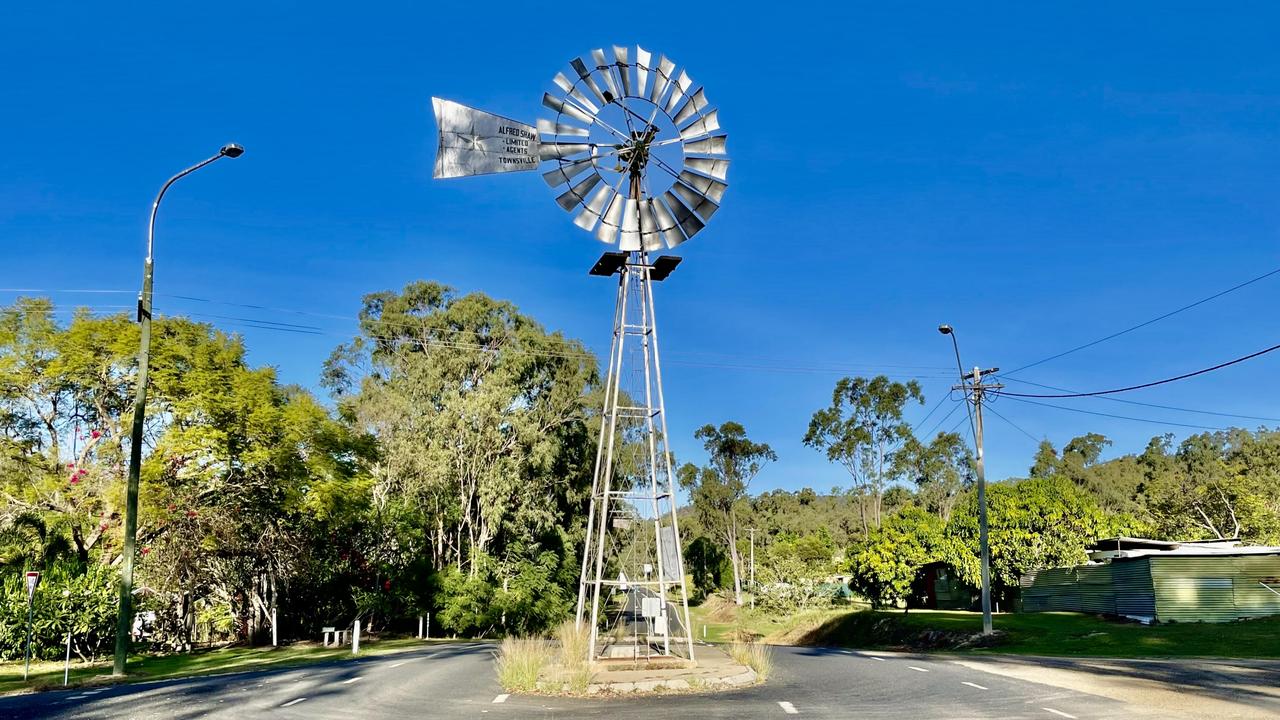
640,162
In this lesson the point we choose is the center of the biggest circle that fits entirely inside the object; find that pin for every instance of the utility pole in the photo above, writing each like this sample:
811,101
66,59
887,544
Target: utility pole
124,611
974,389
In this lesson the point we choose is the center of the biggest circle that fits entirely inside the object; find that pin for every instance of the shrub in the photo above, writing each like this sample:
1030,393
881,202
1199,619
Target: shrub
574,639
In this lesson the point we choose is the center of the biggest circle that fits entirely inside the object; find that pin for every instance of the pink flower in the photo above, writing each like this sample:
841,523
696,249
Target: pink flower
75,479
71,464
191,513
146,550
103,526
95,434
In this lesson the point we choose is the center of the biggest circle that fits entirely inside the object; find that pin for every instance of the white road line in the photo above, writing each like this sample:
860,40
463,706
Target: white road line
973,685
501,698
1059,712
396,665
917,669
293,702
873,657
788,708
348,681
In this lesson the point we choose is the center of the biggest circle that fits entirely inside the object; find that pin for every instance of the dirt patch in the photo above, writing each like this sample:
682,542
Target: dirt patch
720,609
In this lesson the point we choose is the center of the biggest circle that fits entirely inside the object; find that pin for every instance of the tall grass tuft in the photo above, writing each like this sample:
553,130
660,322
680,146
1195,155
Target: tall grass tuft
574,639
520,662
754,655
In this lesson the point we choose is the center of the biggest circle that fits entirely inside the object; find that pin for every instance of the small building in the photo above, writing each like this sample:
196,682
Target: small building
1159,581
937,587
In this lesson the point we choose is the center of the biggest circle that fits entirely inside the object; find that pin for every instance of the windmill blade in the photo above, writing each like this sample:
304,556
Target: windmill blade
704,125
713,189
577,194
716,168
624,68
688,223
692,106
565,108
704,206
643,58
567,171
683,84
581,68
650,238
572,91
672,235
661,80
557,150
714,145
607,231
629,239
594,208
549,127
606,70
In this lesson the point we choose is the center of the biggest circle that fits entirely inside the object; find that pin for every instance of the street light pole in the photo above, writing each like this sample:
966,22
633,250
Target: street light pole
124,612
974,393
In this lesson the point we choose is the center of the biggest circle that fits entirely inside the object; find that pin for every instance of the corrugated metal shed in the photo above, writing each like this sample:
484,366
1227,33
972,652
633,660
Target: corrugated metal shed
1215,589
1175,588
1135,596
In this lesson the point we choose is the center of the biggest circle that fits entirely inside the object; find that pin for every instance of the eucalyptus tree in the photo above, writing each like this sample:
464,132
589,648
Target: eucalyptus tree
941,470
717,489
861,430
481,419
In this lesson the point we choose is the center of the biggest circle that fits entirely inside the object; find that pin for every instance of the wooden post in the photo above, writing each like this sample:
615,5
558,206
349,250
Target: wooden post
355,639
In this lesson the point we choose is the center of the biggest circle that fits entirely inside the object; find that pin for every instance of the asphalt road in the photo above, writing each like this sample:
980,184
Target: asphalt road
458,681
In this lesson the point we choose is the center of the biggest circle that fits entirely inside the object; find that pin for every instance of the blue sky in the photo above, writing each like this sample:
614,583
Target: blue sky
1037,177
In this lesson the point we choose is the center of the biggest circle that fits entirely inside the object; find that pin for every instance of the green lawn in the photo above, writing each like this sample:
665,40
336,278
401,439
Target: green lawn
48,675
1064,634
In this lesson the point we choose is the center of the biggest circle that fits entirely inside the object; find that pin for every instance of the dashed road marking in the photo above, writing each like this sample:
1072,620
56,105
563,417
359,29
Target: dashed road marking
348,681
502,698
788,708
396,665
876,657
973,685
293,702
917,669
1059,713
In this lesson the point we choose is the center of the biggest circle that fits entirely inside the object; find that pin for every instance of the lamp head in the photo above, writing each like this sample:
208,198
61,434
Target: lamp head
944,329
232,150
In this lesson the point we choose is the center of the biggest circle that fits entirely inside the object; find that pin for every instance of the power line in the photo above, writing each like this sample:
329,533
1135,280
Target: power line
1152,405
943,419
1176,378
1117,417
1141,325
1015,425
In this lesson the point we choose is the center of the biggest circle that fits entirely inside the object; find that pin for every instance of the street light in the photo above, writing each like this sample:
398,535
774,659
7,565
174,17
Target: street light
973,393
124,613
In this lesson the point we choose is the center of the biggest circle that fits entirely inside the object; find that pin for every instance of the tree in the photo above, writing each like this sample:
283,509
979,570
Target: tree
481,419
1215,486
941,470
861,430
717,489
885,564
1033,524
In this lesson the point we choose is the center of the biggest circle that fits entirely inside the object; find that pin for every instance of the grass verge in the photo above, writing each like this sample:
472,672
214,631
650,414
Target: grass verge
48,675
1062,634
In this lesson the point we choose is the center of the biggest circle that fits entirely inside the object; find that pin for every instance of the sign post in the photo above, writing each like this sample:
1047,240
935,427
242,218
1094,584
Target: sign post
33,579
